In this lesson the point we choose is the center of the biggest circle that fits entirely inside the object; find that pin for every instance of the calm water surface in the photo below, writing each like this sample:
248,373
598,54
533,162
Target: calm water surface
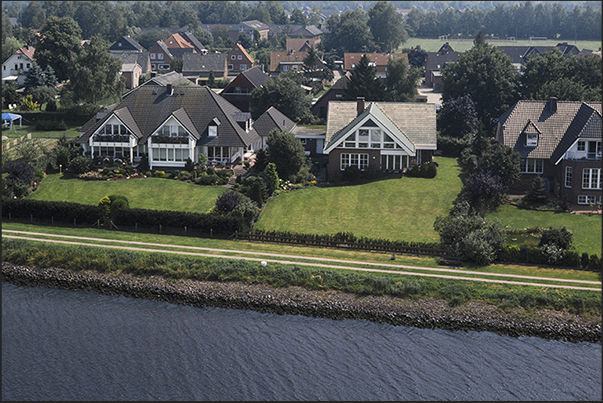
68,345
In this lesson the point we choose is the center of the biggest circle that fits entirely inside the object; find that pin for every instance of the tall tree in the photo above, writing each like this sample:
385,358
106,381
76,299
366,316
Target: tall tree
486,74
96,75
286,152
34,77
458,117
60,46
298,17
386,26
50,78
400,81
349,32
364,83
285,94
34,15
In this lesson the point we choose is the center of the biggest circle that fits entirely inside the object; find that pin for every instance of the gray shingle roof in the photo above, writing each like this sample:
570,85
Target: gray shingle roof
255,75
557,130
197,62
416,120
189,37
128,43
145,109
272,118
142,58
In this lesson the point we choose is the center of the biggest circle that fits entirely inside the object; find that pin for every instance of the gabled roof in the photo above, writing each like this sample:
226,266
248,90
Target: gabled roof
308,31
127,43
141,58
195,107
27,51
192,39
240,47
380,59
255,24
437,61
558,129
272,118
277,58
197,62
175,41
415,120
163,48
255,75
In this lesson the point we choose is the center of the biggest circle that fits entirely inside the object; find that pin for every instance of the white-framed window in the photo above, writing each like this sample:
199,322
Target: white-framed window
243,67
583,199
240,57
581,146
285,68
532,166
153,56
119,44
218,154
393,162
212,131
358,160
169,154
295,67
164,67
230,66
568,176
591,178
531,139
159,55
233,57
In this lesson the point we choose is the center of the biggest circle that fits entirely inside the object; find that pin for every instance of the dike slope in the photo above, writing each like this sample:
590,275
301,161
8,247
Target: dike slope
424,313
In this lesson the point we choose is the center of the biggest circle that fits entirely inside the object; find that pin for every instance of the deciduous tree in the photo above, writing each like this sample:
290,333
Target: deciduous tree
60,46
458,117
286,152
386,26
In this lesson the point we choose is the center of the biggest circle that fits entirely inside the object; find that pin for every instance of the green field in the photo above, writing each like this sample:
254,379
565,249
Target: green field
398,209
586,228
71,132
146,193
433,45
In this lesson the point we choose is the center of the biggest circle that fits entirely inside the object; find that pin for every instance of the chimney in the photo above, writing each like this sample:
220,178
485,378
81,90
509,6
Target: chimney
169,89
359,105
553,104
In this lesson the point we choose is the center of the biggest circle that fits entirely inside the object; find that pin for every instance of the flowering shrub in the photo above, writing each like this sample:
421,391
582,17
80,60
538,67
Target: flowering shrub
91,176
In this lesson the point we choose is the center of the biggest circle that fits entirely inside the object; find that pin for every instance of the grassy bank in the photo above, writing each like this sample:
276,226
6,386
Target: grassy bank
456,292
433,45
145,193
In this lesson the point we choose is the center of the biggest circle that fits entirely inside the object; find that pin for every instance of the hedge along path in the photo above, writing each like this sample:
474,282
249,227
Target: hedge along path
300,263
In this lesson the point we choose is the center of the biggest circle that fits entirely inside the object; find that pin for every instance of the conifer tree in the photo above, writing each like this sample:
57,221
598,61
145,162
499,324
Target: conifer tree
50,78
536,195
34,77
364,83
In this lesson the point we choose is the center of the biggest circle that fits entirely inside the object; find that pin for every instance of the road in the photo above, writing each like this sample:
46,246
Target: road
302,260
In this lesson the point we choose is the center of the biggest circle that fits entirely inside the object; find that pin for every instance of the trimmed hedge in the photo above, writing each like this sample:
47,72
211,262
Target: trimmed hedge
51,210
535,255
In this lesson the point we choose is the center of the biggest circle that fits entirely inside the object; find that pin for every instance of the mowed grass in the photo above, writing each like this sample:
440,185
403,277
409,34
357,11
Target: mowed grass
585,228
396,209
145,193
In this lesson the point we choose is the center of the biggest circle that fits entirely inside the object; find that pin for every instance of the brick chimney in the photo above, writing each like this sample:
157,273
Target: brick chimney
359,105
553,104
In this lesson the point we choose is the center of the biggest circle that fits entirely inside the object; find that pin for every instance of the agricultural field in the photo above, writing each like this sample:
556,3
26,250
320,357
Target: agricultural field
461,45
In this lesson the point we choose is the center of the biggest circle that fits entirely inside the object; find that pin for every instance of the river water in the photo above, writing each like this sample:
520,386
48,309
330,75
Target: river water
72,345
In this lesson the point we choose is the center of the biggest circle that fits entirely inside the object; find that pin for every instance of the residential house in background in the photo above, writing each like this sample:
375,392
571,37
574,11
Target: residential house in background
197,66
561,142
281,62
238,91
177,46
250,27
269,120
160,56
301,44
129,61
15,68
335,93
171,124
384,136
377,60
238,60
126,44
172,78
295,31
192,39
434,64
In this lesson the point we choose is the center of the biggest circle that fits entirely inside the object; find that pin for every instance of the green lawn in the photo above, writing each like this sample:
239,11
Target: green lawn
71,132
433,45
586,228
398,209
146,193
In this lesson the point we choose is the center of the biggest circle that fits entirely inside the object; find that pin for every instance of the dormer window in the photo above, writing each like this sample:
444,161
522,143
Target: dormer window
531,139
212,131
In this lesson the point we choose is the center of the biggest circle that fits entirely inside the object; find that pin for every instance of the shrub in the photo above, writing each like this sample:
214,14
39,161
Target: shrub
80,165
227,201
561,238
189,165
48,125
351,174
207,180
536,195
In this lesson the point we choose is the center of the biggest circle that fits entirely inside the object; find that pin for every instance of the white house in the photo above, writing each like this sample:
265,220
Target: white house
16,67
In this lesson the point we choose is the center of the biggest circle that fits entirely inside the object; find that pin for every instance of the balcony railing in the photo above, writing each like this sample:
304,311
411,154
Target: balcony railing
169,139
590,156
111,139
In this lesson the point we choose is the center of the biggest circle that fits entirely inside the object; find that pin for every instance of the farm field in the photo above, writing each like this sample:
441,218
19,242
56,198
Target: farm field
433,45
146,193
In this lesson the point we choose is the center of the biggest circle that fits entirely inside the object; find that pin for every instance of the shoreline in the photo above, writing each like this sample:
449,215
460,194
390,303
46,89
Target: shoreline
422,313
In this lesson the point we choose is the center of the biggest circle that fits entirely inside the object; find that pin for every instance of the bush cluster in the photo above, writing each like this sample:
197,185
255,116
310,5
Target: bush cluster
428,169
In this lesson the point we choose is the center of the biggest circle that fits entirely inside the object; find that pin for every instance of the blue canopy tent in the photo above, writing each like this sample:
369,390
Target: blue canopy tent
9,117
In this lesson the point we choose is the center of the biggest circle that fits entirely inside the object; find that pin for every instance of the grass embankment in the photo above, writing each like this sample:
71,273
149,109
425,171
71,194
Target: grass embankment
397,209
433,45
505,296
71,132
145,193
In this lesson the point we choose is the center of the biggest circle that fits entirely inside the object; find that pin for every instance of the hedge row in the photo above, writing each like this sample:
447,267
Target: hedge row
87,214
535,255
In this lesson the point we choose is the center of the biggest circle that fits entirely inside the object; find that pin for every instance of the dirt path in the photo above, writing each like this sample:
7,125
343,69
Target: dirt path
302,260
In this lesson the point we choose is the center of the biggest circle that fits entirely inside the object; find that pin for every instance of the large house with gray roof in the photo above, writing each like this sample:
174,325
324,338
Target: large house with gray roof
384,136
171,124
197,66
561,142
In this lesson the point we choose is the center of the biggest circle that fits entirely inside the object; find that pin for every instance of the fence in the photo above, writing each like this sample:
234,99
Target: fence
14,141
336,243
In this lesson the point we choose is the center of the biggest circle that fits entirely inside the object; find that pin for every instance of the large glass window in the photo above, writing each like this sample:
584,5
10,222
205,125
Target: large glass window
568,176
591,178
358,160
532,166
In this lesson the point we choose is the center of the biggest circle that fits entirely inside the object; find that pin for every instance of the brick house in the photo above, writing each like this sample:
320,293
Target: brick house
384,136
161,57
377,60
238,59
238,91
561,142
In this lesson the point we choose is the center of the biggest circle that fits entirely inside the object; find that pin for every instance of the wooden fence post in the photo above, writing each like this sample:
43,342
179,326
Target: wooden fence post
160,228
211,232
136,226
31,217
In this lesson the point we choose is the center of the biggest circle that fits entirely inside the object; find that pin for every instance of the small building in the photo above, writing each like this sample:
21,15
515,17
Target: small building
161,57
238,60
238,91
378,60
197,66
15,68
126,44
281,62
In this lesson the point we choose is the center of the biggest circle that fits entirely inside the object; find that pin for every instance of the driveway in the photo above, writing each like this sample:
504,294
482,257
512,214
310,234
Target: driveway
432,97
